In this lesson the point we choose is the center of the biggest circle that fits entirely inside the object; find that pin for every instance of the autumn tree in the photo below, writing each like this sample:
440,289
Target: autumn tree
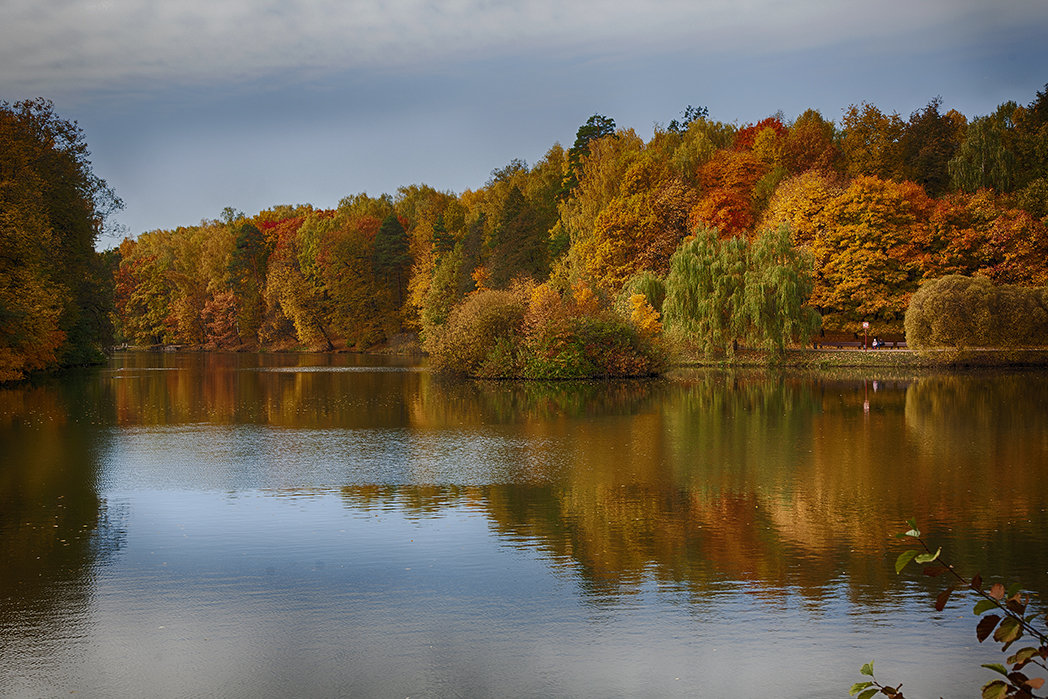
809,144
689,150
143,290
867,252
641,227
292,292
870,141
53,207
798,204
727,183
984,234
247,275
596,127
359,304
599,182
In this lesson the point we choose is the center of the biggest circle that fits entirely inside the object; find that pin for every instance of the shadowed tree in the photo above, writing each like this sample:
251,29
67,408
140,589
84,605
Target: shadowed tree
390,259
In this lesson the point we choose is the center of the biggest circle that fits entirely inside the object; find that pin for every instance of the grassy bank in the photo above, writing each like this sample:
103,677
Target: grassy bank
829,359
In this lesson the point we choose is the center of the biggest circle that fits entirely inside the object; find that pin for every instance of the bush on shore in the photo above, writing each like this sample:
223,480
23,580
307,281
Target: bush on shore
538,332
958,312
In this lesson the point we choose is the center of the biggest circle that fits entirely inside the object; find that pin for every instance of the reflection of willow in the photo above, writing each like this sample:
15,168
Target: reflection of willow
54,528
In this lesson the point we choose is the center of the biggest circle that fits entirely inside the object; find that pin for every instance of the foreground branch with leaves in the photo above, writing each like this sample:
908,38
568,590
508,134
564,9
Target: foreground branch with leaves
1010,621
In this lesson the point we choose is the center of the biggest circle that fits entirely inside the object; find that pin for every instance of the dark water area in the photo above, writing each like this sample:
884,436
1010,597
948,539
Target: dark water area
314,525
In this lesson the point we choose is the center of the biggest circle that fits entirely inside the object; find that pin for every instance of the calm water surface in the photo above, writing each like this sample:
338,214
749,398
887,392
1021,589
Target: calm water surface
242,525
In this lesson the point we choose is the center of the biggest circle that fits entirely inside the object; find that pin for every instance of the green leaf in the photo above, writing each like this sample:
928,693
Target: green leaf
913,525
867,669
1013,590
1022,655
858,687
996,667
994,690
904,558
1008,631
983,606
928,557
916,534
866,694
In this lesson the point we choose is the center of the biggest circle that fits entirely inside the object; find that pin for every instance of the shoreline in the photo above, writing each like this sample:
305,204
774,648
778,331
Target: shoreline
805,358
969,358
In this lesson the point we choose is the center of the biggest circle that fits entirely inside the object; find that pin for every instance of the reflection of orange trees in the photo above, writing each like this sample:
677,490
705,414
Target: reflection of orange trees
788,483
218,388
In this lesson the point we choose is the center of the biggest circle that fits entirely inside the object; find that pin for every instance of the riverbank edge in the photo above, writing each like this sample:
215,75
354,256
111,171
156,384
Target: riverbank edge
967,358
755,358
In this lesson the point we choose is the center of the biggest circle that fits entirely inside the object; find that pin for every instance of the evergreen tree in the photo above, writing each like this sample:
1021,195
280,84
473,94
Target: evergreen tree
390,258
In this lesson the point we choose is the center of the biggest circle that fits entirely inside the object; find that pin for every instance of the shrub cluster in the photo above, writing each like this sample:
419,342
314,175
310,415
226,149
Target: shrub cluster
537,332
959,312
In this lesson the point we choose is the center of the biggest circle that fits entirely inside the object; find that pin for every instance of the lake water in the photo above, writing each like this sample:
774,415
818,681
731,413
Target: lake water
306,525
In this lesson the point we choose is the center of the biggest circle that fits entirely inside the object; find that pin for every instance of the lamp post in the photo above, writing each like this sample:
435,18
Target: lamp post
865,330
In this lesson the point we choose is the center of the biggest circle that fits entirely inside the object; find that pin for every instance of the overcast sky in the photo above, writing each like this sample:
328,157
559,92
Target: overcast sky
193,105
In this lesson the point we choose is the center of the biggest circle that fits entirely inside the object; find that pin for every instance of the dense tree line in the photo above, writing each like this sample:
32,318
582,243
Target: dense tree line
878,204
55,290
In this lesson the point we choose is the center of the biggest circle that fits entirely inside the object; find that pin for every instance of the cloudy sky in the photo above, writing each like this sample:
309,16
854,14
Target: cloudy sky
193,105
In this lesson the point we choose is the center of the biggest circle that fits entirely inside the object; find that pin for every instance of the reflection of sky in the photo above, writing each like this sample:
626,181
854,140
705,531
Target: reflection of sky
247,594
248,456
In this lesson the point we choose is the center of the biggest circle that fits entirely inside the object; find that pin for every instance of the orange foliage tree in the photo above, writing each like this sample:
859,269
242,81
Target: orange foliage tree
727,184
867,252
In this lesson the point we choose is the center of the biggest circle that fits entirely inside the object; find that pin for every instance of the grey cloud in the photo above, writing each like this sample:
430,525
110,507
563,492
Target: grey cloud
81,45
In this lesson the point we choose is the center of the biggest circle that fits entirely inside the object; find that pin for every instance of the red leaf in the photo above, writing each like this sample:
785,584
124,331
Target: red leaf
986,626
997,591
942,599
976,583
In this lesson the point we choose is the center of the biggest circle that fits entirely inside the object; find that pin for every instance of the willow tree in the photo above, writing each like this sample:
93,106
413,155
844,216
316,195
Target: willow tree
704,290
778,284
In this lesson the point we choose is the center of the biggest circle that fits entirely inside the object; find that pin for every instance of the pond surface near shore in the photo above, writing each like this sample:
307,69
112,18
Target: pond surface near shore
315,525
